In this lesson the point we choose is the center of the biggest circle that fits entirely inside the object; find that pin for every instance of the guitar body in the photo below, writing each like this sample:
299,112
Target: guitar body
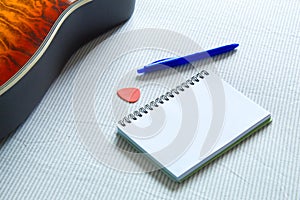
37,37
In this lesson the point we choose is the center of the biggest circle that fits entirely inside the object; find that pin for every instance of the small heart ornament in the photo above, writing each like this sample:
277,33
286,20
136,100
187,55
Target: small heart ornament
130,95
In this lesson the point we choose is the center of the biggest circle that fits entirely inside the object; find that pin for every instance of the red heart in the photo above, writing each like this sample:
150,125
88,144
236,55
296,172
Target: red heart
130,95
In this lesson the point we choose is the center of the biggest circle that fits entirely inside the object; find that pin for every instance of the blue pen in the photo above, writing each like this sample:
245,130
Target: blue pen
179,61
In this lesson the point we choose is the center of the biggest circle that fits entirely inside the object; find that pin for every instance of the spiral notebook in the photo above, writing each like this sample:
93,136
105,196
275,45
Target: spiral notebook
189,126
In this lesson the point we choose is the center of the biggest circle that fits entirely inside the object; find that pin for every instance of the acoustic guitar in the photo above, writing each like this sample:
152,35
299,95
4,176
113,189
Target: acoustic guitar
37,37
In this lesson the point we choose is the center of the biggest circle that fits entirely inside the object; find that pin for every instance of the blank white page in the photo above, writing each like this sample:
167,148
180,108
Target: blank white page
190,129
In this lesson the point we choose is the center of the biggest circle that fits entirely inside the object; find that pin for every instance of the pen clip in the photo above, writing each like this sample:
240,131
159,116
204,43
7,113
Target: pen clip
162,60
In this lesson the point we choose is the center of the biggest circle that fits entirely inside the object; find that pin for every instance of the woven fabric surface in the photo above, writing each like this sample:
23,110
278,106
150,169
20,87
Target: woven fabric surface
46,159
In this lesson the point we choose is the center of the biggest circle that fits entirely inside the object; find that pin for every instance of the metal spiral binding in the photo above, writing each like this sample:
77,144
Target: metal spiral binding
163,98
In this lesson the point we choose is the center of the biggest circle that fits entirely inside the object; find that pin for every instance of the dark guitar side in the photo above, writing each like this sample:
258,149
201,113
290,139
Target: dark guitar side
82,25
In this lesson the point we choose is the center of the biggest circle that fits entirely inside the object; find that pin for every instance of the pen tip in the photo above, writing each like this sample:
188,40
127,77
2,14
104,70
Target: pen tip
234,45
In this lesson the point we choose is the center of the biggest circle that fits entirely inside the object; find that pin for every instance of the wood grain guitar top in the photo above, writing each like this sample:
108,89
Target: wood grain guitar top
24,24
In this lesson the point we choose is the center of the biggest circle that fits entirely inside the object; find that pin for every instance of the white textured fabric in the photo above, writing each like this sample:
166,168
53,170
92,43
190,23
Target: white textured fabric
45,158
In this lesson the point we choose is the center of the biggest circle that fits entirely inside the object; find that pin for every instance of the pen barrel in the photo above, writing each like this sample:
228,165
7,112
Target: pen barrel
221,50
181,61
175,62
